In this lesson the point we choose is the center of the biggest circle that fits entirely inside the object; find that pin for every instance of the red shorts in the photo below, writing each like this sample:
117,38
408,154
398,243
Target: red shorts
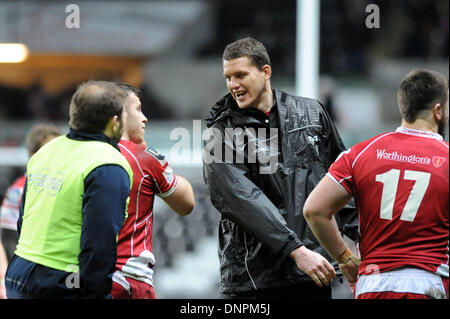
138,290
391,295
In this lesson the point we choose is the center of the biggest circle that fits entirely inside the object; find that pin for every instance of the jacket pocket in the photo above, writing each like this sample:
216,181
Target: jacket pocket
18,273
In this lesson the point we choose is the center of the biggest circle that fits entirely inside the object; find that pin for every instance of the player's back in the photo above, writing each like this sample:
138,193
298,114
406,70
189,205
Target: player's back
401,185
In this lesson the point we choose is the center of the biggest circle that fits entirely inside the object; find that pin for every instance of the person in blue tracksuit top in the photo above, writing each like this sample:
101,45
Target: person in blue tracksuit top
74,204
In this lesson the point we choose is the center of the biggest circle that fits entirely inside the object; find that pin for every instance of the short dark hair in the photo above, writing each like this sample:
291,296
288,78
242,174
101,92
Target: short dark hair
129,88
38,134
419,91
247,47
94,103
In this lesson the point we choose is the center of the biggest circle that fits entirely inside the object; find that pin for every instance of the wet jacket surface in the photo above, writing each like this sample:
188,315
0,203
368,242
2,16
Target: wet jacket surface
261,205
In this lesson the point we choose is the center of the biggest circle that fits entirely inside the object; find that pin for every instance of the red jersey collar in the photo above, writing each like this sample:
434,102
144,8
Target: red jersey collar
411,131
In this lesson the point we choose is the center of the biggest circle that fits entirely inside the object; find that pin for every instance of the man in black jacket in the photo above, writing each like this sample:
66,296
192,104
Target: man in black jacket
265,153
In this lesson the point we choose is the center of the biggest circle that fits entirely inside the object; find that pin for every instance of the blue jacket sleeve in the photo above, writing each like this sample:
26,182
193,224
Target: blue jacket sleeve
22,207
104,203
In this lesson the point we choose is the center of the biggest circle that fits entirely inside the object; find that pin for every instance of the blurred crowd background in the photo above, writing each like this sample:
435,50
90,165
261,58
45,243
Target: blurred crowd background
172,50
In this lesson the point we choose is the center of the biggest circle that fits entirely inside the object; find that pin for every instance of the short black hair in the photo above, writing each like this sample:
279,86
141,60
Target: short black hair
94,103
419,91
247,47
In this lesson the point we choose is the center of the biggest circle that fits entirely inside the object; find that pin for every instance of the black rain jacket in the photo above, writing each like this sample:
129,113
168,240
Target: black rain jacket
261,204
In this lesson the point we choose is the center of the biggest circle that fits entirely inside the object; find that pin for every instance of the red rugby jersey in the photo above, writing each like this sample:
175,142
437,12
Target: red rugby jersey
9,211
152,176
400,181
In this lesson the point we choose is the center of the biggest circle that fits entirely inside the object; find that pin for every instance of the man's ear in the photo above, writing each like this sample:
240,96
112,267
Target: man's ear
438,112
115,122
111,126
268,71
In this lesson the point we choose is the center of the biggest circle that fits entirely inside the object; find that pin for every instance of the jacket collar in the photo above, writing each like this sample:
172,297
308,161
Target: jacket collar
227,107
280,99
85,135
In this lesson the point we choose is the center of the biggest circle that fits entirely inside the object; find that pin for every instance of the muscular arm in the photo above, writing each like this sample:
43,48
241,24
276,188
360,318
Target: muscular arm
325,200
182,200
347,219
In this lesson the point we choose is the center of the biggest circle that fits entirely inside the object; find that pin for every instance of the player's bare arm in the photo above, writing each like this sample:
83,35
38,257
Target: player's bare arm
325,200
182,200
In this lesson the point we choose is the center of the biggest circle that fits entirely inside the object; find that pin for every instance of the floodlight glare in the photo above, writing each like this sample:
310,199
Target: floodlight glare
13,52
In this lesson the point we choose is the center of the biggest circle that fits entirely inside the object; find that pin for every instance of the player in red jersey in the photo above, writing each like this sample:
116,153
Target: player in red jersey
9,211
38,136
400,181
152,175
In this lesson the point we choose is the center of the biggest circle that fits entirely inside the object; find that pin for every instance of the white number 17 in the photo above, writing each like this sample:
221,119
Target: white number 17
390,181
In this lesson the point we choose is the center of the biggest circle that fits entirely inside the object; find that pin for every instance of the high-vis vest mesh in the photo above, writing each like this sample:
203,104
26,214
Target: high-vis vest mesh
52,219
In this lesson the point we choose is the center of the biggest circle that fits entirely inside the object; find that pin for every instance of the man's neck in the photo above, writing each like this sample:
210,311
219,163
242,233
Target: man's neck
421,125
266,101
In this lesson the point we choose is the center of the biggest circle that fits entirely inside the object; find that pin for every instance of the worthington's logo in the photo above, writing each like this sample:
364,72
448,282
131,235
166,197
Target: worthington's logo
399,157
